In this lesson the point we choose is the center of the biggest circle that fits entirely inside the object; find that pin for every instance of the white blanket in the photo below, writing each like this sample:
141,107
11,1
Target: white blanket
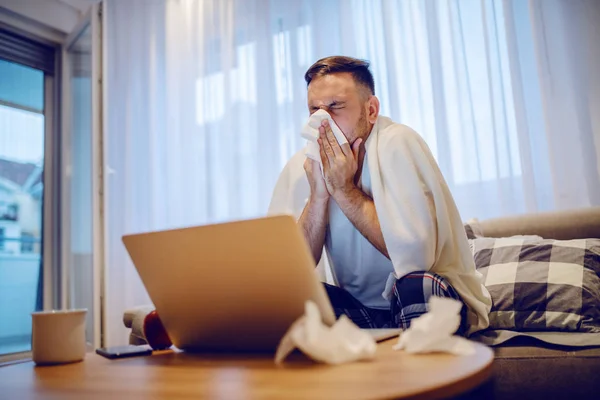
421,225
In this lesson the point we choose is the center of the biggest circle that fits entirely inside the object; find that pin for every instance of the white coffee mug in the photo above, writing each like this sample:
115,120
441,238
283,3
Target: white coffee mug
58,337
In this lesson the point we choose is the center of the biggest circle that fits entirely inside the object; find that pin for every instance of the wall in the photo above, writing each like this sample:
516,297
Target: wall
52,13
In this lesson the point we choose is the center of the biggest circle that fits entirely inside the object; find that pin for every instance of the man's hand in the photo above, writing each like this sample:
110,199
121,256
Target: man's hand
318,189
340,162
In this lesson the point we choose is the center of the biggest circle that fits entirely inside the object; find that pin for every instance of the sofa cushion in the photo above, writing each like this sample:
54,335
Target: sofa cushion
539,285
496,337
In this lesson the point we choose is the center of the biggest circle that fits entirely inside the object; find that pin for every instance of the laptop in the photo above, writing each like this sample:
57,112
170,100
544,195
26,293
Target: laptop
235,286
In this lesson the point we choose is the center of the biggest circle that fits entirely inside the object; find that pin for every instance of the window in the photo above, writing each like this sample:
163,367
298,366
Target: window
26,113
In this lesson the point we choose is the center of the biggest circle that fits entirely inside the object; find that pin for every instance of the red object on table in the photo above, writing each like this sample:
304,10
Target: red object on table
155,332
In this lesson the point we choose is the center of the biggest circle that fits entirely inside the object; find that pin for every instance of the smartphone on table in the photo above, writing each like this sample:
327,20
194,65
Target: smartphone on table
124,351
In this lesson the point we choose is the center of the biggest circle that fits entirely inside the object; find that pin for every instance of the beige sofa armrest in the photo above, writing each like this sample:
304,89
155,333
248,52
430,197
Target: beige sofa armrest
562,225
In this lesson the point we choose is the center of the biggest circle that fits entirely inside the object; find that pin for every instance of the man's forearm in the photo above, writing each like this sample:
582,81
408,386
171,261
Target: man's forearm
313,222
360,210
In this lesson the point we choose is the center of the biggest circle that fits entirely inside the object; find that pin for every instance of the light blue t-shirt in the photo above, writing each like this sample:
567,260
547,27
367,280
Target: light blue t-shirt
358,266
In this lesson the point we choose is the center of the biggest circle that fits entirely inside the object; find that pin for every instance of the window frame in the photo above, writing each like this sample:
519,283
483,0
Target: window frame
94,19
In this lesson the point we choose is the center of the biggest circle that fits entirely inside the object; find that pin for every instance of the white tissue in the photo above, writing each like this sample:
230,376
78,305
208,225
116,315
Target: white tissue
343,342
310,132
433,331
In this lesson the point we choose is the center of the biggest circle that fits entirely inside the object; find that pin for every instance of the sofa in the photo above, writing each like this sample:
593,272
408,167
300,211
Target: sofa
526,366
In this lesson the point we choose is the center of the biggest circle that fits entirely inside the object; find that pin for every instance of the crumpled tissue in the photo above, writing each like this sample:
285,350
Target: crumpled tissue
341,343
434,330
310,132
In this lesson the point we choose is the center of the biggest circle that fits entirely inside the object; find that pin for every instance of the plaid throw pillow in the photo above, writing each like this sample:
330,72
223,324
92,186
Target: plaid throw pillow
539,285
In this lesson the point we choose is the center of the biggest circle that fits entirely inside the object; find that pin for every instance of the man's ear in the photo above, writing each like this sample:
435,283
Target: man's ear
372,109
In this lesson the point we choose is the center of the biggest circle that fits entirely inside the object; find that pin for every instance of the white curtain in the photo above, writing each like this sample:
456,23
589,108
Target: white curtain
206,97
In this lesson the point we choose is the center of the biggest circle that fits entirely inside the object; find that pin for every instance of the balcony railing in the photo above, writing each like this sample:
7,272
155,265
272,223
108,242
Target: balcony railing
20,245
20,294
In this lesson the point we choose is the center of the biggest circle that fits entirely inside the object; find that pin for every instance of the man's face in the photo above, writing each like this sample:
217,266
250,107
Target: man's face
339,95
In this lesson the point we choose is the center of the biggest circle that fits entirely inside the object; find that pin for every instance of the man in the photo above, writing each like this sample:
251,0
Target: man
379,210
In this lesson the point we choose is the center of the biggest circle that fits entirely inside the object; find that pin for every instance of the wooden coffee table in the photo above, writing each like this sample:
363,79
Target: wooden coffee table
393,374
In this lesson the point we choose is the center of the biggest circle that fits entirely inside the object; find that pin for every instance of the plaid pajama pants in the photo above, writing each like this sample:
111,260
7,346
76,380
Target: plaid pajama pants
410,300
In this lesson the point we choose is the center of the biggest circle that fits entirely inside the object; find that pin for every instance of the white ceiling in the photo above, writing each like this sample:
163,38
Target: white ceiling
61,15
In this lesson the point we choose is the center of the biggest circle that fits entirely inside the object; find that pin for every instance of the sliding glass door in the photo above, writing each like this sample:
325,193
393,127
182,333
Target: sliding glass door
50,179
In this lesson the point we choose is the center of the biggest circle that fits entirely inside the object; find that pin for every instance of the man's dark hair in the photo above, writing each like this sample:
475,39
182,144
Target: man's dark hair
339,64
